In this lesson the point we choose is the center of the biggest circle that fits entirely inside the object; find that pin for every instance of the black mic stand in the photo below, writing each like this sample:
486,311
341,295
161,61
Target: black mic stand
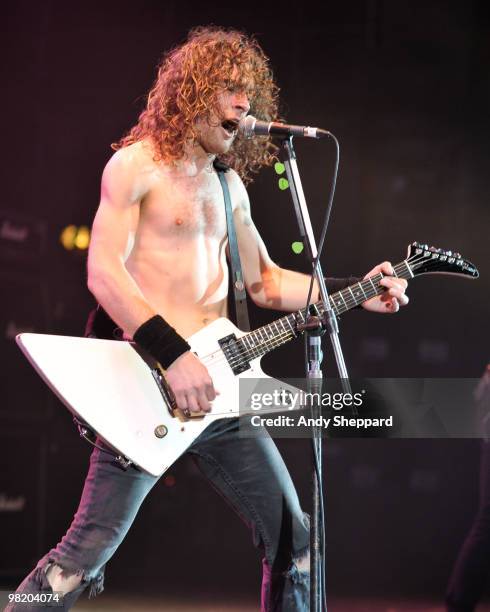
314,327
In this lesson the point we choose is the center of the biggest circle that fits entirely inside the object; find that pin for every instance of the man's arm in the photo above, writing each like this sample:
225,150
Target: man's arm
271,286
108,279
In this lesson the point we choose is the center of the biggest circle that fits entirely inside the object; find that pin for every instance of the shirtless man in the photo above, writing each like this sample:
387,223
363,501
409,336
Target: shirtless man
162,201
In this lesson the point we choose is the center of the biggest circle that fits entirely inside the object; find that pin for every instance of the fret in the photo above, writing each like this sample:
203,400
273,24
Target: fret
277,342
285,330
337,299
333,305
341,293
246,349
409,269
356,297
289,323
242,345
251,348
366,289
373,285
319,306
370,288
353,296
360,286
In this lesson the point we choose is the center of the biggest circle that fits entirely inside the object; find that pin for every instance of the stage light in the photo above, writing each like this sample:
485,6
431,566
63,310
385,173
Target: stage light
73,237
67,237
82,239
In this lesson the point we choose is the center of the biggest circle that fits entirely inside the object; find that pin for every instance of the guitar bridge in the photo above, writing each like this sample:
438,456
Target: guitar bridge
169,399
164,389
234,354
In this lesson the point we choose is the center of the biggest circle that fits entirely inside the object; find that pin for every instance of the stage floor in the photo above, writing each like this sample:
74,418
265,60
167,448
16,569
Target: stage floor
113,603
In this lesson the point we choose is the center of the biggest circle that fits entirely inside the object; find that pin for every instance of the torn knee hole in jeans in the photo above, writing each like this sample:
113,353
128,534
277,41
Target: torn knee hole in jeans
61,570
299,570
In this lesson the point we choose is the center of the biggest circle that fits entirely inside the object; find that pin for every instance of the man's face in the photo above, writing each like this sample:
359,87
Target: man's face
217,134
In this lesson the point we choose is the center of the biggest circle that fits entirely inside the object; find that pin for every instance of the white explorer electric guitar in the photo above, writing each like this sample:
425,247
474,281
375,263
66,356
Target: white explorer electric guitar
126,401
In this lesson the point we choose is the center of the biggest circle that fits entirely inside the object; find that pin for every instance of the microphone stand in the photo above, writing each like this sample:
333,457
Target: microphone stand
314,327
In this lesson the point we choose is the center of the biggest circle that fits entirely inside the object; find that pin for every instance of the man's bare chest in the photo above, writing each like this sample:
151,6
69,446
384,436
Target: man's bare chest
187,207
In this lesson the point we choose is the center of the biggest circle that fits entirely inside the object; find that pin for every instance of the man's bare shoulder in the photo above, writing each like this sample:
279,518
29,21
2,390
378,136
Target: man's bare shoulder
136,157
130,171
238,191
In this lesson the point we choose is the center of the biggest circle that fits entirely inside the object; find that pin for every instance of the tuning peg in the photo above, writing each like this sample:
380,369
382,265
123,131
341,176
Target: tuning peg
425,247
457,255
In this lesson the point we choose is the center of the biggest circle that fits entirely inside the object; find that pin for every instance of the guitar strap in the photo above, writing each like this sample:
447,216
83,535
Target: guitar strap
236,268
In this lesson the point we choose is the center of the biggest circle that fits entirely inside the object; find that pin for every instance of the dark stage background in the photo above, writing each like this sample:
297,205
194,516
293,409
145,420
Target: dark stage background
406,88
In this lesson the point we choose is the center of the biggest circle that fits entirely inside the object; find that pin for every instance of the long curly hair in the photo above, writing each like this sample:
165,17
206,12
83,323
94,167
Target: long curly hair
190,78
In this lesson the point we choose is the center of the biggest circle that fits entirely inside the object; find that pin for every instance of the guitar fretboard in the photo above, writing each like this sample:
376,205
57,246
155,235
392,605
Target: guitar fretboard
264,339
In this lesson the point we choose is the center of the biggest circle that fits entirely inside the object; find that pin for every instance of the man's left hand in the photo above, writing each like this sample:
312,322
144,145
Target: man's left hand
394,296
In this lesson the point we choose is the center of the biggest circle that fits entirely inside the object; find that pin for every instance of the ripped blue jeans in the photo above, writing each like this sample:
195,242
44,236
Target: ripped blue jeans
247,471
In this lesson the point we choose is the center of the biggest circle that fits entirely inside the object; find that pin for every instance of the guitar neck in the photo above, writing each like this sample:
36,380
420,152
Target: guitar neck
356,294
264,339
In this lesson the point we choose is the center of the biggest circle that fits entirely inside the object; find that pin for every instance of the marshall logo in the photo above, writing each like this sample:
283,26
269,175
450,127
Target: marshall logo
15,233
12,504
21,238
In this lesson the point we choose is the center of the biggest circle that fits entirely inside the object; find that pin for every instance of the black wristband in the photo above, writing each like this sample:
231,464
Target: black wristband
161,340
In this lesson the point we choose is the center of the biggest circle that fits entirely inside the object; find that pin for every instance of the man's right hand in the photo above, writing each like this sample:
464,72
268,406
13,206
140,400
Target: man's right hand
191,384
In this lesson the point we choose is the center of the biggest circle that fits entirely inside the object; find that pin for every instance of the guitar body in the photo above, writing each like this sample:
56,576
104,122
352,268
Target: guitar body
111,388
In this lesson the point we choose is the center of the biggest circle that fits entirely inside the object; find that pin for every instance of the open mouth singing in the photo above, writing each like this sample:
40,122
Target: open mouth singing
230,126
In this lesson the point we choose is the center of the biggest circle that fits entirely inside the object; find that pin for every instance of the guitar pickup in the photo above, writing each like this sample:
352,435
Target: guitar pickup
233,351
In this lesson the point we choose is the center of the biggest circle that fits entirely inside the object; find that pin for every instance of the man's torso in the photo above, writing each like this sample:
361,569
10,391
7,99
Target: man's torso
179,239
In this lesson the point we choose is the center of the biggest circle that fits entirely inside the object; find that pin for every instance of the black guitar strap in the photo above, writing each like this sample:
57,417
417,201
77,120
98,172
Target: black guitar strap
236,268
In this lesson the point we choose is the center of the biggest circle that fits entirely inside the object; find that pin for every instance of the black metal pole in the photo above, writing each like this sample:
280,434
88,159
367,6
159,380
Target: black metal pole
315,380
314,374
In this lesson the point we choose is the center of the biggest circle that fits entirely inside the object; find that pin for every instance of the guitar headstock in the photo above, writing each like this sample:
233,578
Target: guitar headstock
423,259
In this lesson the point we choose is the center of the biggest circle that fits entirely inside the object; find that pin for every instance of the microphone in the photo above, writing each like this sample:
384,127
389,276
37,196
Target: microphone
249,127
